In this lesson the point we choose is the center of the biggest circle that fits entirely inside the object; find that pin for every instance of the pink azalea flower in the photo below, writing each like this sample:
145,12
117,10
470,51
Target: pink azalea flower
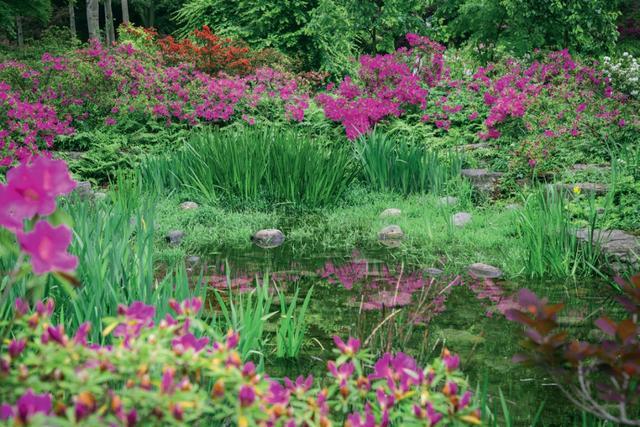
48,246
38,184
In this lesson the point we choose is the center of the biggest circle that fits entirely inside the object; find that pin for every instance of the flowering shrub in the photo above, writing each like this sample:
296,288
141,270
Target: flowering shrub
163,373
30,194
209,52
602,378
624,73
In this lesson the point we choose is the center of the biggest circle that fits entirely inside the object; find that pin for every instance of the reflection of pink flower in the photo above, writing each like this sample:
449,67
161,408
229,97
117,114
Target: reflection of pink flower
47,246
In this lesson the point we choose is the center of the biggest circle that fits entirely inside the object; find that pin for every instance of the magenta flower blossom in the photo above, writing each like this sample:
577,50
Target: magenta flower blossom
187,307
167,385
45,309
301,386
246,395
277,394
21,307
350,348
342,373
47,246
451,362
80,338
16,347
38,184
189,341
30,404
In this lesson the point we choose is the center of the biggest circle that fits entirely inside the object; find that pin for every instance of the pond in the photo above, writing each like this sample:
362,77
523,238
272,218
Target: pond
393,305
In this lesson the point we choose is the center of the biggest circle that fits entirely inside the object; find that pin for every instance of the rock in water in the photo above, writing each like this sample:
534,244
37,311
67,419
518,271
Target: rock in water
484,271
268,238
187,206
461,219
174,237
390,213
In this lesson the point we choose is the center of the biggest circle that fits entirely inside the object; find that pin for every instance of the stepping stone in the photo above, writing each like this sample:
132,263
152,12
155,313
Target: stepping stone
391,212
461,219
193,260
187,206
391,232
471,147
268,238
585,187
83,190
447,201
618,244
433,271
578,167
174,237
484,271
99,195
482,179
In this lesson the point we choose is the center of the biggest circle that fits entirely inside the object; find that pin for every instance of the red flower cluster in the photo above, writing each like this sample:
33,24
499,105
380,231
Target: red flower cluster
209,52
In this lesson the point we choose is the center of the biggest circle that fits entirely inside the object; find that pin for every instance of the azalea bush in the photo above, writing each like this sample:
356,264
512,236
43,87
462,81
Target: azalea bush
624,73
603,377
169,373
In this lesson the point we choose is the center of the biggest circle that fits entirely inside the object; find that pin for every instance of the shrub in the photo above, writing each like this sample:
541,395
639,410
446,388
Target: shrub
624,73
167,373
208,52
602,378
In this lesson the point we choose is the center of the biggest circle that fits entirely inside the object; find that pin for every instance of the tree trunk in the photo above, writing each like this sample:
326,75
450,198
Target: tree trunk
93,19
72,18
108,23
19,32
125,11
152,15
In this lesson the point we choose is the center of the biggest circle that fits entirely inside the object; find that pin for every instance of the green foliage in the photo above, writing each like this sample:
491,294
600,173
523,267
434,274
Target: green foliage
519,26
292,326
392,165
252,165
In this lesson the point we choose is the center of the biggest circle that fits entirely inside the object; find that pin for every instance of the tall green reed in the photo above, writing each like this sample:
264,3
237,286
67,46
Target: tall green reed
549,237
392,165
292,326
248,165
247,313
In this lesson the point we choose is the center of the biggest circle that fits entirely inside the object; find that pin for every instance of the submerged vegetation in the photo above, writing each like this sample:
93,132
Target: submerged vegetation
193,215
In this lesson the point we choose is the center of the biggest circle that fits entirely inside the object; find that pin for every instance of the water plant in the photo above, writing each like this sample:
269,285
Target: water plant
292,325
247,313
549,238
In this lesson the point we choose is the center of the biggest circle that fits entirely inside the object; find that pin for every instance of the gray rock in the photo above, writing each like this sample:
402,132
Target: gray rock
99,195
391,212
600,211
484,271
83,190
268,238
461,219
193,260
585,187
174,237
471,147
513,207
585,167
187,206
482,180
447,201
391,232
458,339
75,155
434,271
617,244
